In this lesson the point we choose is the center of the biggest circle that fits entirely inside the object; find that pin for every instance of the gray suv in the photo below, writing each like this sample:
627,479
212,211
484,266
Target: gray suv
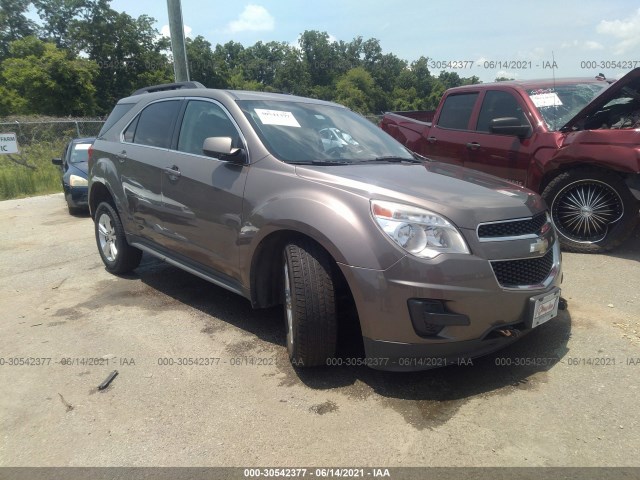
442,263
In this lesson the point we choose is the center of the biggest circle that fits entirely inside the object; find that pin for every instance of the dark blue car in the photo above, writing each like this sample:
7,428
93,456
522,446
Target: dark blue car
74,173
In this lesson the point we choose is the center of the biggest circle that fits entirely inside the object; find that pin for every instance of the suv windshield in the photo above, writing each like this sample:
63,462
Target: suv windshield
559,104
298,132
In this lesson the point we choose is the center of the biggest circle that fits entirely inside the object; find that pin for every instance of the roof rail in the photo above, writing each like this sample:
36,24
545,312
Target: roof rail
168,86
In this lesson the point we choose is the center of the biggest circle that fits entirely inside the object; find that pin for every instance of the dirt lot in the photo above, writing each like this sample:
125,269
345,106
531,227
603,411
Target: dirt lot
577,405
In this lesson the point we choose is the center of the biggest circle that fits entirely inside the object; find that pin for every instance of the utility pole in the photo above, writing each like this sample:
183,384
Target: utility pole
178,47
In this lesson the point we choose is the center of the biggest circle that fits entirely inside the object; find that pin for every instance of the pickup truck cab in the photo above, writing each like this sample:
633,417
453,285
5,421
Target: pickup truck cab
575,141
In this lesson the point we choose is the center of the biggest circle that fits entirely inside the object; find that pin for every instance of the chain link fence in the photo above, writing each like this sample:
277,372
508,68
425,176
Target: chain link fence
30,132
30,171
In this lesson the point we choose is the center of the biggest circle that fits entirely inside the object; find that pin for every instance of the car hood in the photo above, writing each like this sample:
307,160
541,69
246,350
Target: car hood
82,166
464,196
602,99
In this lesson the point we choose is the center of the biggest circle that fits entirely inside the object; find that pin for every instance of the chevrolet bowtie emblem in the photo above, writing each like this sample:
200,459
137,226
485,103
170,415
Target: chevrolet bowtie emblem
539,246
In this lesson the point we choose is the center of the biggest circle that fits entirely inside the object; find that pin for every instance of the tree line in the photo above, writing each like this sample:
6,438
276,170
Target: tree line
83,56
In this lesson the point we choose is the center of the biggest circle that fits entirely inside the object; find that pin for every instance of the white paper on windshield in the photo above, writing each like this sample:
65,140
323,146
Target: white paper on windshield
546,100
277,117
82,146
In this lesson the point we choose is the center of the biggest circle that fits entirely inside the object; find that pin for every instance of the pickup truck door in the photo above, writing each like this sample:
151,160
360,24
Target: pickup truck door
447,139
506,156
202,196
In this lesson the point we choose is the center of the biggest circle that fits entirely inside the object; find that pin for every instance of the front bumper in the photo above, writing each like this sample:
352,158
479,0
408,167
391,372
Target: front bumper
476,308
76,197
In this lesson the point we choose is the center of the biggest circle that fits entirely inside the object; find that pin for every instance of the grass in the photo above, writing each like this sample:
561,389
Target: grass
18,181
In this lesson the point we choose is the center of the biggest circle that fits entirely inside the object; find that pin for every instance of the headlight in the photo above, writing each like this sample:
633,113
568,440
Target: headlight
420,232
76,181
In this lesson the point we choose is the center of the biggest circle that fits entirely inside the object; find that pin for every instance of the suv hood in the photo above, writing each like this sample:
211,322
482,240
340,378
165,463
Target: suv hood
464,196
601,100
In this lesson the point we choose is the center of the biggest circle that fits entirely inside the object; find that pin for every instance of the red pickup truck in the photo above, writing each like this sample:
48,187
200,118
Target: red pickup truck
575,141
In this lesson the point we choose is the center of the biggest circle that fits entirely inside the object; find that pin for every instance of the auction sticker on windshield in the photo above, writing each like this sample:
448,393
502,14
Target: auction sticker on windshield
546,100
545,307
277,117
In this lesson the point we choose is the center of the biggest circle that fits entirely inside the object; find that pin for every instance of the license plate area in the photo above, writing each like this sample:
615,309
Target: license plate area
543,308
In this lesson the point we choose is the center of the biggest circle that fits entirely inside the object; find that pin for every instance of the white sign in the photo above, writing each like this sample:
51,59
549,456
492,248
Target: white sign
277,117
8,143
546,100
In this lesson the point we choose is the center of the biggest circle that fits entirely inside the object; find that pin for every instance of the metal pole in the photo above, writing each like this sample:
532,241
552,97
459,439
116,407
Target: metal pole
178,47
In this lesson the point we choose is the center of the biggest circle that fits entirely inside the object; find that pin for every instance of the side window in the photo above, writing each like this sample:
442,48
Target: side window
153,125
456,111
499,104
202,120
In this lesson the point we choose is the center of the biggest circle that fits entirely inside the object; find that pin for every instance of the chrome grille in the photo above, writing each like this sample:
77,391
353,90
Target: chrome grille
525,272
513,228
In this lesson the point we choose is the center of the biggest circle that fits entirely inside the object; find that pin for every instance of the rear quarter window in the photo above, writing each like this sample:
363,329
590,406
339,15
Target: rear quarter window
116,114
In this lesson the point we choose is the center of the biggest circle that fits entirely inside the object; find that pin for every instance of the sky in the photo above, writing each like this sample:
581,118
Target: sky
500,38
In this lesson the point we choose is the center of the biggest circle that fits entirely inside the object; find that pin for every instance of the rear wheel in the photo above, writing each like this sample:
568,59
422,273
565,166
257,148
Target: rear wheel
593,210
309,304
118,256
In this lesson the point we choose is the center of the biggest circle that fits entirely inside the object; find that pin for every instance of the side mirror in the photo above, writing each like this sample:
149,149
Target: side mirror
509,126
56,161
221,146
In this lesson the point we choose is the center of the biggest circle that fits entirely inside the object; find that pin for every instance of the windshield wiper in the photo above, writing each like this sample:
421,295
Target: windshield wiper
322,162
394,159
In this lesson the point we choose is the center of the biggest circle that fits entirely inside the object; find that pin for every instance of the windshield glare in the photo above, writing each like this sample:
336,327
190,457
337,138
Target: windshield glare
80,153
559,104
298,132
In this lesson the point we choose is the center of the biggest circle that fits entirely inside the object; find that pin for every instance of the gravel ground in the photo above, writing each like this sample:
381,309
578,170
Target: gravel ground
577,405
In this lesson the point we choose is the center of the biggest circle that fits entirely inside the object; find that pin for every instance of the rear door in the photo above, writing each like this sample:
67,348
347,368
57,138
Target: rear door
202,196
448,138
140,158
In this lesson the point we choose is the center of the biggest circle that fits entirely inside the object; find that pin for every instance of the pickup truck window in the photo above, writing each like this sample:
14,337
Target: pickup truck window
499,104
456,111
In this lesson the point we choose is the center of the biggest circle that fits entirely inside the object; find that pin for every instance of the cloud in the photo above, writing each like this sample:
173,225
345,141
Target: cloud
588,45
165,32
591,45
254,18
626,31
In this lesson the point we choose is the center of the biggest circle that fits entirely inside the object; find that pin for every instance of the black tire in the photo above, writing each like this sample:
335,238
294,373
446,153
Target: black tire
118,256
309,304
592,210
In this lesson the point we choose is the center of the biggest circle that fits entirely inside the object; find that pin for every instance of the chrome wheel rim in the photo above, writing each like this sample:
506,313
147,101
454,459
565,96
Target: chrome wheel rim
288,308
583,211
107,238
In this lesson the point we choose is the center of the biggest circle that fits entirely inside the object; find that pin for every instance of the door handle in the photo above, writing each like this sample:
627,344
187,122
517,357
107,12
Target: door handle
173,171
432,139
122,156
473,145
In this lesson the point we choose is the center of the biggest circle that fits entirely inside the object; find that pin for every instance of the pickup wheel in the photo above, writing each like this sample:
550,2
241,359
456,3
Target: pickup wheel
593,210
309,304
118,256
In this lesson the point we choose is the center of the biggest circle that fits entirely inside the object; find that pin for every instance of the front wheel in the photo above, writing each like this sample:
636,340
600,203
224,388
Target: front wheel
592,210
118,256
309,304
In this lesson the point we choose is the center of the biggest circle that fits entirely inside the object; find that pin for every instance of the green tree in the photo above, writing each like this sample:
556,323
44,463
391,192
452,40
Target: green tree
58,17
356,90
129,52
320,57
204,66
14,24
43,79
